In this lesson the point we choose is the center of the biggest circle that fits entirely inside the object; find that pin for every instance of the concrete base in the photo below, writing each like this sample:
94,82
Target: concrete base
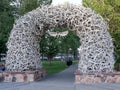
25,76
111,77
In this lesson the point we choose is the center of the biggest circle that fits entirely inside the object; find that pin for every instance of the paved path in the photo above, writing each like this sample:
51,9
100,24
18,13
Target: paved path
61,81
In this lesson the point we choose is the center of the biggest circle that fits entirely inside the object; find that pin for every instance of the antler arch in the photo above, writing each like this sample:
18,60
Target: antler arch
96,50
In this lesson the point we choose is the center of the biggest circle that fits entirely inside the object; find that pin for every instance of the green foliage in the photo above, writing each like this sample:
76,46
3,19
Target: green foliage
71,41
51,46
6,23
48,46
7,19
100,7
110,10
29,5
117,63
57,66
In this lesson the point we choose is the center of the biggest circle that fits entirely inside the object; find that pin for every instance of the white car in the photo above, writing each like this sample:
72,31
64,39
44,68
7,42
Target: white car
57,57
3,59
43,58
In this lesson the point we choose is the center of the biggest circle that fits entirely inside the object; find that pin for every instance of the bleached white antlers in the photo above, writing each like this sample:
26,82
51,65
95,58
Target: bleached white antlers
95,52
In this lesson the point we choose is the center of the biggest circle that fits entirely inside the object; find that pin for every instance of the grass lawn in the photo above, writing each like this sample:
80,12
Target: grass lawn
1,62
55,67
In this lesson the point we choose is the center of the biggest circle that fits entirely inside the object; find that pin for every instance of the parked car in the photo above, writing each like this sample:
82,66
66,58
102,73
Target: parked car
57,57
2,57
43,58
2,67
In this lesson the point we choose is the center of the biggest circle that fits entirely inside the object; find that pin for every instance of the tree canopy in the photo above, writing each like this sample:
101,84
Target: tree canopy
110,10
53,45
24,6
9,11
6,23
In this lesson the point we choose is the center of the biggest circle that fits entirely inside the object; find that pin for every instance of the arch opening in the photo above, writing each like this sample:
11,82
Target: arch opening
96,50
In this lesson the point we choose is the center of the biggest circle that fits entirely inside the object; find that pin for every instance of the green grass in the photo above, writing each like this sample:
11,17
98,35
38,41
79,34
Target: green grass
1,62
55,67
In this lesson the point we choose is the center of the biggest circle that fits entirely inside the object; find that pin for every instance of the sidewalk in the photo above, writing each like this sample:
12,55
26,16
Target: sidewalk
60,81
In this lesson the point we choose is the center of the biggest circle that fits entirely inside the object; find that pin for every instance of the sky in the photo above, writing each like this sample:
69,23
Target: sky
77,2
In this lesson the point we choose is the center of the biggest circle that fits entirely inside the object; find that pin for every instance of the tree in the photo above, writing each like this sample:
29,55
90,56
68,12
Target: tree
48,46
69,44
24,6
115,24
110,10
9,9
6,23
64,45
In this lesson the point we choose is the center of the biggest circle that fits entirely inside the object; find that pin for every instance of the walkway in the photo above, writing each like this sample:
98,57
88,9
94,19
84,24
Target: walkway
61,81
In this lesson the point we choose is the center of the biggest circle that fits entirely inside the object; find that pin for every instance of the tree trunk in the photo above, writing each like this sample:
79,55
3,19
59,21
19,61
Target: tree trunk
50,61
67,56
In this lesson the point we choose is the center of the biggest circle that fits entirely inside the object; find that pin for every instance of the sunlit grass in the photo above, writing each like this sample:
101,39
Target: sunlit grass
55,67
